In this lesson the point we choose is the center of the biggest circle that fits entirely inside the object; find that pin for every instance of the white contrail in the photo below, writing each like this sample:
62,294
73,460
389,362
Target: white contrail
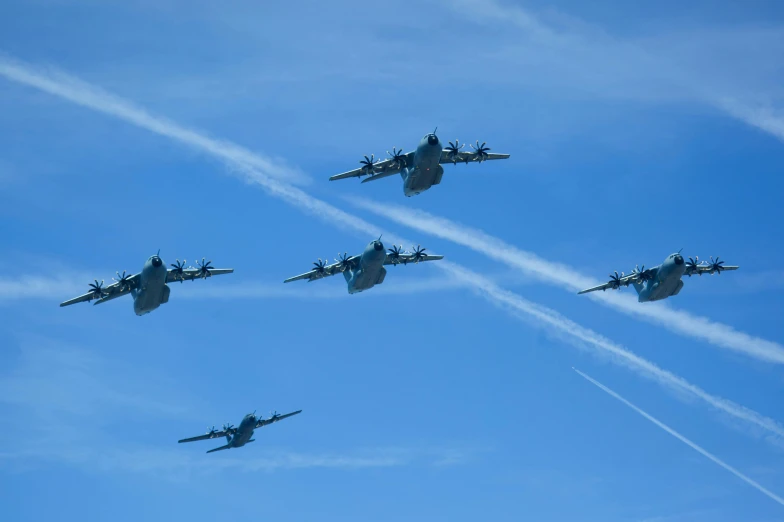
86,95
686,441
678,321
109,104
551,319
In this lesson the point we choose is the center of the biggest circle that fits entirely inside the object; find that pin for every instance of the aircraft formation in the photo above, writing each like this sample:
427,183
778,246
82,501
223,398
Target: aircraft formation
419,169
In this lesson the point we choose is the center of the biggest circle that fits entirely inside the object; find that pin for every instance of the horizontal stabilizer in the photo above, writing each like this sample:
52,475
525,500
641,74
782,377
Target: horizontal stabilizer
218,449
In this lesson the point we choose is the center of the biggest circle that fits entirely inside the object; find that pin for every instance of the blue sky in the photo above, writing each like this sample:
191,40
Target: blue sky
446,393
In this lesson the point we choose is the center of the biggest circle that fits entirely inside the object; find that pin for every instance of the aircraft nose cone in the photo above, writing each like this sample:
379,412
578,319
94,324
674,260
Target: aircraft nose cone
156,261
432,139
378,245
678,260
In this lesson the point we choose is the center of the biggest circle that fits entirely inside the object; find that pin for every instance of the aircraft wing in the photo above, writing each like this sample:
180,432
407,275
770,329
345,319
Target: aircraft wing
322,271
382,168
623,280
706,269
211,435
448,156
275,418
189,274
407,257
108,292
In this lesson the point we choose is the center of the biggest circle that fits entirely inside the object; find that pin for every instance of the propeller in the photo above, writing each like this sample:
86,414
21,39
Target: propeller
641,273
274,414
204,269
320,266
418,253
716,265
397,156
692,265
97,290
178,270
480,150
369,164
615,280
395,253
454,150
122,280
228,427
212,431
342,261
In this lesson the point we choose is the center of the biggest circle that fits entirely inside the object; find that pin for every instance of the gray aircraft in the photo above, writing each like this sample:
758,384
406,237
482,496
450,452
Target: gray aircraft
366,270
663,281
420,169
148,288
241,435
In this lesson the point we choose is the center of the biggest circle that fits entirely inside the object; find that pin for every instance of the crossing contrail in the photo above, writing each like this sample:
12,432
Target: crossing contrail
756,485
678,321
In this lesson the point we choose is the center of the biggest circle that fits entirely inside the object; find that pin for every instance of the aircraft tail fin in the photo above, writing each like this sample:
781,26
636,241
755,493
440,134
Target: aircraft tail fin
219,449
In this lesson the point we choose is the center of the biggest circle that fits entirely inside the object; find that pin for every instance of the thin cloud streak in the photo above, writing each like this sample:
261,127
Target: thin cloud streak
486,288
79,387
57,289
554,321
182,465
686,441
678,321
582,50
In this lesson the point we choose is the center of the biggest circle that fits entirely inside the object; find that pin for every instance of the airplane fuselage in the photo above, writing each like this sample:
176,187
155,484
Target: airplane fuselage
371,271
665,283
426,170
153,290
244,432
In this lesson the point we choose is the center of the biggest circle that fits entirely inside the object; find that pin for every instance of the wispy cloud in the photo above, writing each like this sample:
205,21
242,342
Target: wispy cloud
557,49
55,289
180,464
55,378
59,389
567,277
686,441
41,287
113,106
763,116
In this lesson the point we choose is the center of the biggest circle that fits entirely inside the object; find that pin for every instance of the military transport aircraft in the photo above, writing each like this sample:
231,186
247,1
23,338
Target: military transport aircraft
148,288
663,281
241,435
366,270
420,169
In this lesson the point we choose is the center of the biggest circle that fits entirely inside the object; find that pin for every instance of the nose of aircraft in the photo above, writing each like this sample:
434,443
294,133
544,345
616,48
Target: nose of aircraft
378,245
156,261
432,139
679,259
